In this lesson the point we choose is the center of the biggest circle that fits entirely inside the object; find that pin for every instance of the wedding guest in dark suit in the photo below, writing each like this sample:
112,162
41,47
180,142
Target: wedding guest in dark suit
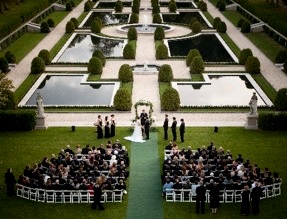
173,128
97,196
113,126
146,128
255,196
165,127
107,127
143,117
200,198
10,182
99,124
245,204
182,130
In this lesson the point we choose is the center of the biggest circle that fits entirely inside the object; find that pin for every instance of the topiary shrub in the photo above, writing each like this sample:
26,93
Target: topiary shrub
134,18
75,21
165,73
156,18
10,102
218,3
37,66
4,65
155,9
123,100
170,100
17,120
280,58
159,33
95,66
280,102
245,28
216,22
69,6
99,54
222,6
172,6
96,26
221,27
45,27
252,65
129,52
10,57
196,27
202,6
197,65
161,52
240,22
70,27
88,6
273,121
51,22
191,54
244,54
119,6
45,55
135,8
192,20
132,33
126,73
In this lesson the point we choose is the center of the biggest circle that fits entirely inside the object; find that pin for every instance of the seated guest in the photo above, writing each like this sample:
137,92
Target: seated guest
168,185
68,149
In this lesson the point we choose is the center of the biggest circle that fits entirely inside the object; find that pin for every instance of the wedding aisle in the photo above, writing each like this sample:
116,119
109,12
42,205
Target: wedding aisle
144,198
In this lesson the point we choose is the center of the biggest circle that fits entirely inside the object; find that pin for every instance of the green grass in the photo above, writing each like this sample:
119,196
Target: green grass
57,16
25,86
18,149
234,17
59,45
266,44
230,44
197,77
265,86
27,42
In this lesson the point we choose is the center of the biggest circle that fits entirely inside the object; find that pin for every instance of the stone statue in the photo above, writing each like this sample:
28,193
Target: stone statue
40,107
253,104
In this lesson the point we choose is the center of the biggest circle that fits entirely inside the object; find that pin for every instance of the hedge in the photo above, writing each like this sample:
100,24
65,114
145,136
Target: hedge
159,33
156,18
272,121
45,55
17,120
95,66
37,66
280,102
197,65
252,65
172,6
134,18
196,27
119,6
126,73
170,100
4,65
70,27
191,54
10,57
244,54
161,52
99,54
132,33
281,56
129,52
123,100
165,73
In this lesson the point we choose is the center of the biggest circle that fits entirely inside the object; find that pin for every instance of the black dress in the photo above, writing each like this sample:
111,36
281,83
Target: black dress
107,130
10,181
113,128
100,129
245,204
214,197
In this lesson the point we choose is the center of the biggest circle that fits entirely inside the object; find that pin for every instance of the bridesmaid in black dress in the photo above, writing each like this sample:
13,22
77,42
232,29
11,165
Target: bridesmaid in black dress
107,127
113,126
100,127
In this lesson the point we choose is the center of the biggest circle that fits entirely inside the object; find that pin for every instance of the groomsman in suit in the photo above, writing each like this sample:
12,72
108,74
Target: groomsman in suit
173,128
146,128
165,127
182,130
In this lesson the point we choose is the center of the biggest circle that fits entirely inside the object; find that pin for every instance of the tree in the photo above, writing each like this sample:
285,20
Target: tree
197,65
70,27
75,21
156,18
123,100
170,100
244,54
132,33
5,87
99,54
4,65
192,53
245,28
95,26
165,73
252,65
221,27
280,102
51,22
126,73
37,66
196,27
134,18
216,22
129,52
161,52
159,33
172,6
119,6
88,6
10,57
95,66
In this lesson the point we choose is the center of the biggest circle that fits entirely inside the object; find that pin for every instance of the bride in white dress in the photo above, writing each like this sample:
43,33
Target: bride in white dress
137,134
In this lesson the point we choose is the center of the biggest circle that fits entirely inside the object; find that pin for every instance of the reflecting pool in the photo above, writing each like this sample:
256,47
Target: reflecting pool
219,91
107,18
82,46
70,90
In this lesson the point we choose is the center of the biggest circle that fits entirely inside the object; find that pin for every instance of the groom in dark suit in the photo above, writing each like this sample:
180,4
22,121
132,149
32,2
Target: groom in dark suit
143,117
146,128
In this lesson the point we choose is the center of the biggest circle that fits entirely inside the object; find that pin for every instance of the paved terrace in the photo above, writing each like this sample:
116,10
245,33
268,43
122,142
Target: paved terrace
146,86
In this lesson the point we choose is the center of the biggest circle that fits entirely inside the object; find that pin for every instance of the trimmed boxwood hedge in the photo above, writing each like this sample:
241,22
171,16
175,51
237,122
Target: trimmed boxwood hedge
272,121
159,33
119,6
4,65
170,100
132,33
95,66
123,100
165,73
244,54
196,27
252,65
99,54
126,73
37,66
129,52
45,55
70,27
192,53
17,120
10,57
161,52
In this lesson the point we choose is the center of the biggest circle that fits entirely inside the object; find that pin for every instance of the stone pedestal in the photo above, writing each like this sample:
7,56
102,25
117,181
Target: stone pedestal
251,122
40,122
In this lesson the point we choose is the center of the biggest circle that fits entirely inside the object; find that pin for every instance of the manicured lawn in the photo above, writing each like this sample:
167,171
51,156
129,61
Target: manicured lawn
18,149
57,16
27,42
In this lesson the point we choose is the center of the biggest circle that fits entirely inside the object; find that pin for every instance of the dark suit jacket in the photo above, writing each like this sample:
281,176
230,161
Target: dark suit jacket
173,125
165,123
182,127
147,125
143,117
200,193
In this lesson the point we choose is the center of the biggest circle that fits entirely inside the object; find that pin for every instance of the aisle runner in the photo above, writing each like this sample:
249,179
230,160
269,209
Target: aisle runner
145,199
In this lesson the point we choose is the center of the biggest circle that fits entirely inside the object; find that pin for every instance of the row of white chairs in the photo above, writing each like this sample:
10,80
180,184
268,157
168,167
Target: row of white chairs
225,196
67,196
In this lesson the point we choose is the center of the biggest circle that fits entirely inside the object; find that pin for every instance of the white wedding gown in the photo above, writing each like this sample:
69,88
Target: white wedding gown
137,134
